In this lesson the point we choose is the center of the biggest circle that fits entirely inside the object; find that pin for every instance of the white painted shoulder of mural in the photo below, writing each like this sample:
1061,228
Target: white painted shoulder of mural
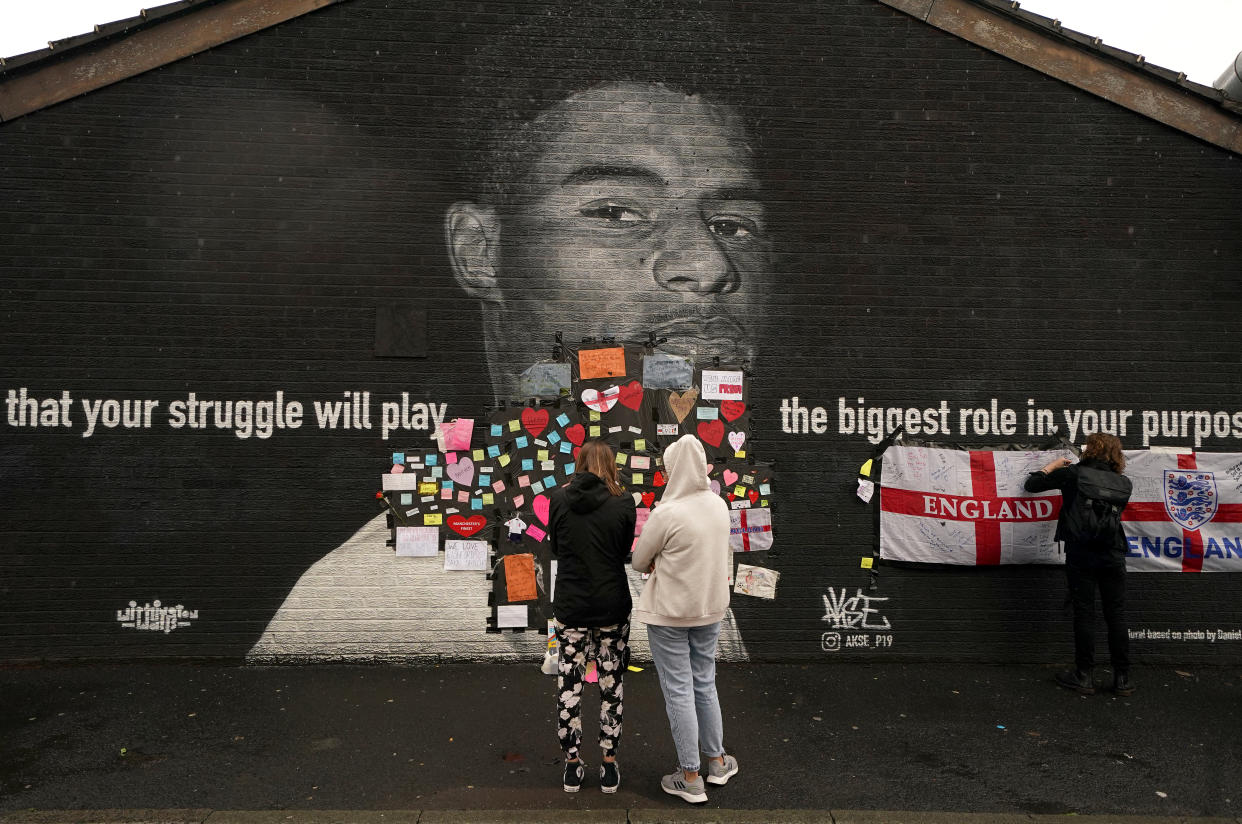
362,603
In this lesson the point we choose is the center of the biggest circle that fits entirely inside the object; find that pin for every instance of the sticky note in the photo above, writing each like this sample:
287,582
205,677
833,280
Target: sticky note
637,479
488,500
593,415
595,431
562,420
493,451
407,498
462,496
497,430
499,486
523,481
536,487
446,485
622,458
451,457
748,479
569,468
867,562
515,425
521,442
707,413
505,459
553,438
527,464
485,480
640,445
477,454
398,457
476,503
536,533
542,455
437,472
741,453
549,482
739,490
431,460
765,489
428,488
566,447
433,519
446,494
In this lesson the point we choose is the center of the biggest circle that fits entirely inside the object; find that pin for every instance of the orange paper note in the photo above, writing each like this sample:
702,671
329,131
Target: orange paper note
520,577
601,363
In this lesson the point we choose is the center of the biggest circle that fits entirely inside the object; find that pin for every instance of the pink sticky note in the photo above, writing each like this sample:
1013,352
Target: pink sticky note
518,500
523,480
446,494
463,496
536,533
499,486
451,457
397,469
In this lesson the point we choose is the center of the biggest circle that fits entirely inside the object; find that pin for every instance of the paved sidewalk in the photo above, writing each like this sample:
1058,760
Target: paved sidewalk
816,743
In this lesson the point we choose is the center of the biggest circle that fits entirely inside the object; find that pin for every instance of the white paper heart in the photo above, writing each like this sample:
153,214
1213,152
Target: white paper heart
638,498
736,439
601,401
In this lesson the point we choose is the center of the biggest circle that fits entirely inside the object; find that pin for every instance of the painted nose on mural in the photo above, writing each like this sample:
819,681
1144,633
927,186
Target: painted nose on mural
693,261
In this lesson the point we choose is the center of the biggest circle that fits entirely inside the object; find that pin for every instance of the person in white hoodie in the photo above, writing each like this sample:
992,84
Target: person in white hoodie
685,547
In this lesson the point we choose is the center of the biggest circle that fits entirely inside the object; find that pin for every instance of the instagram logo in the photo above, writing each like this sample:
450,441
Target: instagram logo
831,641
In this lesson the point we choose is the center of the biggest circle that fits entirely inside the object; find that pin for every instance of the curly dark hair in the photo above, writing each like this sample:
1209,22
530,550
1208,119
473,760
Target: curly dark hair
1106,448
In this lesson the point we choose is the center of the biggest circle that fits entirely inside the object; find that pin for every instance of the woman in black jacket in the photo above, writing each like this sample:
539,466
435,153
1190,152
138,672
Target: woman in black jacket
591,527
1091,563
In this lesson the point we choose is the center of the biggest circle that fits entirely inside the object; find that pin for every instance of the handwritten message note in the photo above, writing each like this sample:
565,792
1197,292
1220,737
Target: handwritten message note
661,371
465,555
417,541
601,363
520,577
511,616
722,385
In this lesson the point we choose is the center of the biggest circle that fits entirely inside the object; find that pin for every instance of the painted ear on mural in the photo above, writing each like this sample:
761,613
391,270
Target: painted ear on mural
472,234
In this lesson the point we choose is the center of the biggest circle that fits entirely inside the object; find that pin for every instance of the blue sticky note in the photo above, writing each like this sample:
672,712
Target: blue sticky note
485,480
707,413
476,503
398,457
498,431
569,469
493,451
431,459
521,442
549,481
447,485
553,437
437,472
567,447
765,489
527,464
562,420
407,498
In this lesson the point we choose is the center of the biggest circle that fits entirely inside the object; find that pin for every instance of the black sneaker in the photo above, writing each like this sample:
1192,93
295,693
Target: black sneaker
574,771
1122,685
609,777
1076,680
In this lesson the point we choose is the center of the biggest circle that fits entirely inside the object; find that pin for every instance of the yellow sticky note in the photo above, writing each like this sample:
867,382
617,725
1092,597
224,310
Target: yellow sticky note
867,562
865,470
593,415
488,499
637,480
764,502
515,425
640,445
633,668
542,455
595,431
622,458
428,488
741,453
477,454
504,459
739,491
432,519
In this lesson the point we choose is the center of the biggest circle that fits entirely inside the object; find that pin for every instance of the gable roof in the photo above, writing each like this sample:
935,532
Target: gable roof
125,48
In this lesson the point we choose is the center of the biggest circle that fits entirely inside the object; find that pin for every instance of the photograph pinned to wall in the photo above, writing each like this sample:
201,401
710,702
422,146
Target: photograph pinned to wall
759,582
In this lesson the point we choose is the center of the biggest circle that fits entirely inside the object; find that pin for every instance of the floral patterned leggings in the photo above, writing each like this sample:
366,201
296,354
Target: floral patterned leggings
610,647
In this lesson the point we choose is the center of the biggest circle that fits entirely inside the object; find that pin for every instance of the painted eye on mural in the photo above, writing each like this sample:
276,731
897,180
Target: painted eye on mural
732,227
613,213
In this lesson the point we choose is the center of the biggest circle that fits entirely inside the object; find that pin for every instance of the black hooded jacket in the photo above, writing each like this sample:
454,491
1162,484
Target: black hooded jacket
591,531
1066,480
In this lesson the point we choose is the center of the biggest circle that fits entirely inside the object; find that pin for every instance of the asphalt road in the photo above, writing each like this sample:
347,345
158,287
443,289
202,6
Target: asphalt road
840,736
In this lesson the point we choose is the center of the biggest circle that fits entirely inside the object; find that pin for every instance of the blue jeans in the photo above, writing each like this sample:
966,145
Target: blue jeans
685,658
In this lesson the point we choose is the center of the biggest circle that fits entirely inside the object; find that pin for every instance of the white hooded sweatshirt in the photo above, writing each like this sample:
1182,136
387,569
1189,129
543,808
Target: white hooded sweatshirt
687,537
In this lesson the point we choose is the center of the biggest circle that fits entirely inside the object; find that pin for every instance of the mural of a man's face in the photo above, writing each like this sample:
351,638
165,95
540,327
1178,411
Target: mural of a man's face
638,212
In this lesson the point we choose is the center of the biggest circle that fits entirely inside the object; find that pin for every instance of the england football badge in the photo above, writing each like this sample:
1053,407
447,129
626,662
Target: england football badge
1190,497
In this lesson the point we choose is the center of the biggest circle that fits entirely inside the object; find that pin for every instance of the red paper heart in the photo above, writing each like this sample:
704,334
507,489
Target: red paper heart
466,526
753,495
648,499
577,449
732,410
659,479
576,434
632,395
534,421
711,432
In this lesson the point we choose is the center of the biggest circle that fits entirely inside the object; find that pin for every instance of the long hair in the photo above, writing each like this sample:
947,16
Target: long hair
1106,448
598,458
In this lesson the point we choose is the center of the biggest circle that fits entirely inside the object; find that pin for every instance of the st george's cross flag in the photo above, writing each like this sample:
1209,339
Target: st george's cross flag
951,506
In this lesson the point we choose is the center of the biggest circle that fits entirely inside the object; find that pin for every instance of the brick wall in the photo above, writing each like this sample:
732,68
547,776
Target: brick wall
941,225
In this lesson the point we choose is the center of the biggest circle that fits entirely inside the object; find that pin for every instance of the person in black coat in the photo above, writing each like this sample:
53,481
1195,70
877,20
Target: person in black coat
1098,563
591,528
